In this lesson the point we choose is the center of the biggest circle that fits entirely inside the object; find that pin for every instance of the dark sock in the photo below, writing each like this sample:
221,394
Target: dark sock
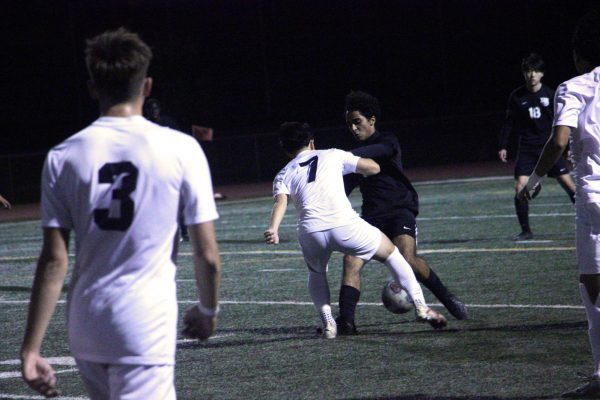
522,208
349,297
434,285
571,196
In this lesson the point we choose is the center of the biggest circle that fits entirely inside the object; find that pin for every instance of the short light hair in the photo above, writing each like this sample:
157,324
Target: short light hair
117,62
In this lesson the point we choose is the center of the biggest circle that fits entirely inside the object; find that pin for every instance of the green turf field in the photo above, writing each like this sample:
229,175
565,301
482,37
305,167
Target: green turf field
526,337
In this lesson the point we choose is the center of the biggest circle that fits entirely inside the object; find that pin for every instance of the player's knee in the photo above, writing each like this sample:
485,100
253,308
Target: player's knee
352,265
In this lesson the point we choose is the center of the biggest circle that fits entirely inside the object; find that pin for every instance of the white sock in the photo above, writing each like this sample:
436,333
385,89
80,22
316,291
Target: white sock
593,316
404,275
319,291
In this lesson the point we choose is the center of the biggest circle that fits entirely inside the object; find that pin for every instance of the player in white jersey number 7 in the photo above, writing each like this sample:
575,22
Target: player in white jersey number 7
313,179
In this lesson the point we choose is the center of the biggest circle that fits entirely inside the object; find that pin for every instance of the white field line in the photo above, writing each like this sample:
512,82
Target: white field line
307,303
425,251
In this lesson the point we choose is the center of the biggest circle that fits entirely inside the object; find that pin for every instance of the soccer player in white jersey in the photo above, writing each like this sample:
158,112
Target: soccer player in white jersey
327,222
118,185
577,116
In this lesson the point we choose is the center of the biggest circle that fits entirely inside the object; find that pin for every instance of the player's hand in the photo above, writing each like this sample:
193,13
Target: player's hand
38,374
271,236
530,191
198,325
502,155
4,203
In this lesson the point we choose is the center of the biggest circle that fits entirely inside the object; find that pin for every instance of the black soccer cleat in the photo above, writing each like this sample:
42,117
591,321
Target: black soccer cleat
591,390
525,235
457,308
344,327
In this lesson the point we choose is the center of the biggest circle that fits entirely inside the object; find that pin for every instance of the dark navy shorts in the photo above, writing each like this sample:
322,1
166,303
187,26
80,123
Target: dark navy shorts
526,162
402,222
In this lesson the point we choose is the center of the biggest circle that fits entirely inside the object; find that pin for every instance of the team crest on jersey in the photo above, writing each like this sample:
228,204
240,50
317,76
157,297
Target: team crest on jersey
545,101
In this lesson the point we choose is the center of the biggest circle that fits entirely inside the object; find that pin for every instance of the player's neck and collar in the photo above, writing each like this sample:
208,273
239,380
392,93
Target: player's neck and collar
127,109
535,88
309,147
373,137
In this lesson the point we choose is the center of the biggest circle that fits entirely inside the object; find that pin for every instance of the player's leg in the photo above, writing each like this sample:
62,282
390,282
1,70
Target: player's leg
133,382
588,261
407,245
349,294
403,274
560,171
95,379
316,255
522,209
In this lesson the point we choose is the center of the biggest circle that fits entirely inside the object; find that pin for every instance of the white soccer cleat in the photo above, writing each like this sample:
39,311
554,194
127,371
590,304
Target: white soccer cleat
329,330
426,314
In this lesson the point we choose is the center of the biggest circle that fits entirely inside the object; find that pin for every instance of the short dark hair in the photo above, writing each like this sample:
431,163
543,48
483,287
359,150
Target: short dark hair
586,37
295,135
533,62
117,62
364,103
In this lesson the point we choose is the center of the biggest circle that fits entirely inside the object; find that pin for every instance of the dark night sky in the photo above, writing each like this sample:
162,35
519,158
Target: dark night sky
245,66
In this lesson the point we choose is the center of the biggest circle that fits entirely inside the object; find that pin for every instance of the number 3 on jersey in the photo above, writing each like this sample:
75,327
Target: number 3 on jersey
108,174
312,168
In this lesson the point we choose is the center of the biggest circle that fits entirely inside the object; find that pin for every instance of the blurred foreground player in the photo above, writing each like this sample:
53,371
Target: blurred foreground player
390,203
327,222
529,116
577,116
118,185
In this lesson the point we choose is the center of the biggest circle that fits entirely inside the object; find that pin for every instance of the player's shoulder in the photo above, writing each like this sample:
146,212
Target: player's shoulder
581,84
518,92
389,137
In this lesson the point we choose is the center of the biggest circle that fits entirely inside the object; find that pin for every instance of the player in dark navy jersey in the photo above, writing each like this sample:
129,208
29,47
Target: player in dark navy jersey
390,203
529,116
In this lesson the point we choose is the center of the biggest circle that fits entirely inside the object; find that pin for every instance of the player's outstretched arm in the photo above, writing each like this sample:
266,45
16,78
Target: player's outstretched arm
200,321
4,203
49,277
553,150
280,202
367,167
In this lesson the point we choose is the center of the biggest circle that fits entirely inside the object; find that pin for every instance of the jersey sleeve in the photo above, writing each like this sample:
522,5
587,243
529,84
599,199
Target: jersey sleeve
55,212
349,162
279,186
197,191
567,106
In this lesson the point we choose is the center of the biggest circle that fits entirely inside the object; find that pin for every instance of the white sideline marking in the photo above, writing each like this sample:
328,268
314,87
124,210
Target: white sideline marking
68,361
277,270
496,250
499,216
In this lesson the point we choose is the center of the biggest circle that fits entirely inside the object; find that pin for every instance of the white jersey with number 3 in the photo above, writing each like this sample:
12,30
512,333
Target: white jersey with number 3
313,179
119,184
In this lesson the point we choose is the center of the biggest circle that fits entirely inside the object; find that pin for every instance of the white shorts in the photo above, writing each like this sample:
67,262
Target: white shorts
359,239
127,382
588,237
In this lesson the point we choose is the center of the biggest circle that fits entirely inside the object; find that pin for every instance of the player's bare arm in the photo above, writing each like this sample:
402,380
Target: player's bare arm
502,155
4,203
553,150
47,285
367,167
277,213
200,321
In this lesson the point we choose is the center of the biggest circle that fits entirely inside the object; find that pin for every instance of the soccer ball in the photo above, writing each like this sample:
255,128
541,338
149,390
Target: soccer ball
395,298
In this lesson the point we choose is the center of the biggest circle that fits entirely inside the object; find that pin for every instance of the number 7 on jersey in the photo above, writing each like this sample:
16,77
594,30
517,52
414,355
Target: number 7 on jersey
312,168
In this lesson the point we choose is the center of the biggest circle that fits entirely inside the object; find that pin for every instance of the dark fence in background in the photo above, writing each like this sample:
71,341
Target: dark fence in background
257,158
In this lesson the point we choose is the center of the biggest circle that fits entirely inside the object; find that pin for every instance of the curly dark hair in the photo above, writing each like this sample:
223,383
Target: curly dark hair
295,135
364,103
586,38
